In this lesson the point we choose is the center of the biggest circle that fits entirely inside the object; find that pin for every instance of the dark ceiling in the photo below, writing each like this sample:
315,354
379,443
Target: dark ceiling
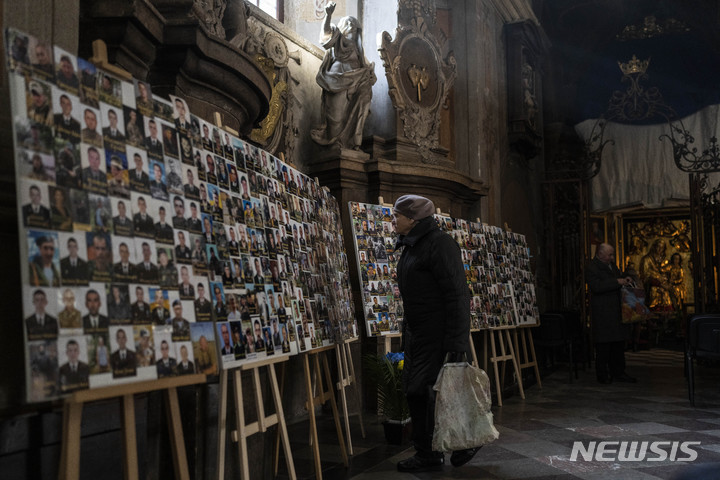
682,44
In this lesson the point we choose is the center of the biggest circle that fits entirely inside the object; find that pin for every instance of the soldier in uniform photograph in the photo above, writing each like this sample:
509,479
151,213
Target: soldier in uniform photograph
160,315
163,230
73,269
143,222
203,306
139,180
122,224
124,271
94,321
122,359
34,213
74,374
140,309
147,271
43,272
40,325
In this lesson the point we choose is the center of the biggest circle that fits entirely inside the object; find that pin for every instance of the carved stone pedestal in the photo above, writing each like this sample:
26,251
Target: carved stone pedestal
181,50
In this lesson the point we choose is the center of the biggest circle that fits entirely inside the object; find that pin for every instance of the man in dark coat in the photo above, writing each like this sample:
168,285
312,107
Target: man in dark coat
436,298
609,334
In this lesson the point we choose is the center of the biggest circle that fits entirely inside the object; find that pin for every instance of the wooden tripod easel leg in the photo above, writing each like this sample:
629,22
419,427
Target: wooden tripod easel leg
341,384
356,388
222,422
336,414
282,428
508,339
493,359
129,437
70,455
311,413
242,433
177,439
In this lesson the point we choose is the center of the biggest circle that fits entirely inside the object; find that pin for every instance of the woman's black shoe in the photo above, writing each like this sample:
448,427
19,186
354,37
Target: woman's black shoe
461,457
421,464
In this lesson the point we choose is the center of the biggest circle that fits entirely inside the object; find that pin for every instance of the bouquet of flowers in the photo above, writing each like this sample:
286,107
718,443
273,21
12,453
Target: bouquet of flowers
386,372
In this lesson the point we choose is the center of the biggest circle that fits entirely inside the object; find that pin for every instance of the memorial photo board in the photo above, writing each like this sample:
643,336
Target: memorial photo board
153,242
496,262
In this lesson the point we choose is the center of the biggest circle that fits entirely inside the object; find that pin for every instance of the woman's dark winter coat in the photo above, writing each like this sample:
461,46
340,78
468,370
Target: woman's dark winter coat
436,299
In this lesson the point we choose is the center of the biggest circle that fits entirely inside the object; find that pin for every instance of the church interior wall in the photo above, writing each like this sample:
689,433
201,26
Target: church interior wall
478,135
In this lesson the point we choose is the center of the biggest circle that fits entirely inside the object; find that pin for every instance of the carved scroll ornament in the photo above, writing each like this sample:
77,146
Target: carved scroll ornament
419,80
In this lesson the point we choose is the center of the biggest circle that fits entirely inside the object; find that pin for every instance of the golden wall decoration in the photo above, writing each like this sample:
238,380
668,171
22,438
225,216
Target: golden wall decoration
656,252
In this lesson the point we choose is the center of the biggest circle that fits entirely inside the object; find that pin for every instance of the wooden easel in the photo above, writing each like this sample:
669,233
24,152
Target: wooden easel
346,378
72,419
526,357
507,352
263,422
319,399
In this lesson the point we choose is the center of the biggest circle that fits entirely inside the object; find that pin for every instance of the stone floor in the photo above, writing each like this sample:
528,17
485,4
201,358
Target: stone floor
537,433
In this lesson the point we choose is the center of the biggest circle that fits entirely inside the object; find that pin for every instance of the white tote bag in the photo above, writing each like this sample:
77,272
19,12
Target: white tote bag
462,408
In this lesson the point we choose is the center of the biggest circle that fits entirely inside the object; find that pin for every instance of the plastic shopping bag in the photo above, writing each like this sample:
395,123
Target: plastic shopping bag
462,408
633,305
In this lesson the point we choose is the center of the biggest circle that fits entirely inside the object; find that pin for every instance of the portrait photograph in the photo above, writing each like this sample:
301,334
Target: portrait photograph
100,256
158,185
121,217
70,305
67,166
94,169
112,119
43,258
122,348
43,367
134,127
66,76
173,176
165,357
109,88
190,182
143,98
88,83
100,213
74,370
138,173
18,50
147,270
124,269
170,141
35,204
66,115
202,336
90,131
143,338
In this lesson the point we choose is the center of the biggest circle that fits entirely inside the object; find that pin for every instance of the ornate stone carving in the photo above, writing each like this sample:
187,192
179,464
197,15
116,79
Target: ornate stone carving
270,52
210,13
346,78
526,47
419,80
